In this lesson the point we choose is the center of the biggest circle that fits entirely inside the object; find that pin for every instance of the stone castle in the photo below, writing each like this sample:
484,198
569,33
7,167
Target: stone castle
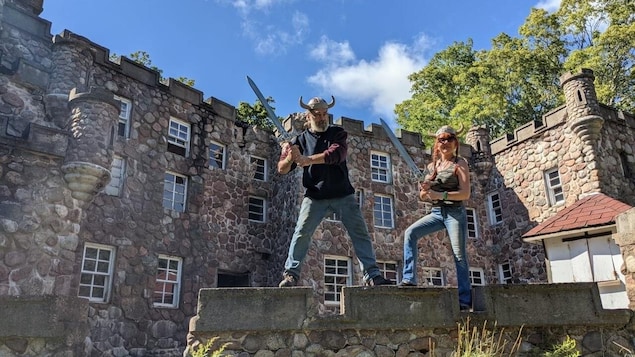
124,198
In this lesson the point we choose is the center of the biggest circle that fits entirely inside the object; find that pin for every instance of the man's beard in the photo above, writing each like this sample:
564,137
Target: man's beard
319,127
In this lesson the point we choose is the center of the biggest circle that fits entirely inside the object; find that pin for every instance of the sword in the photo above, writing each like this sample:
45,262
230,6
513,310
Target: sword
404,154
285,136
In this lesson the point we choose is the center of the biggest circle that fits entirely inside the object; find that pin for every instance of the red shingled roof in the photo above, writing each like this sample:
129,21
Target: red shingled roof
592,211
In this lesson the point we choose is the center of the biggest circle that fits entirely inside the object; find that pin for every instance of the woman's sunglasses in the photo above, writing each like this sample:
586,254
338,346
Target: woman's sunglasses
446,139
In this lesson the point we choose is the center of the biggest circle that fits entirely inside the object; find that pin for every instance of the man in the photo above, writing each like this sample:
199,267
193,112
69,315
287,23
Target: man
321,151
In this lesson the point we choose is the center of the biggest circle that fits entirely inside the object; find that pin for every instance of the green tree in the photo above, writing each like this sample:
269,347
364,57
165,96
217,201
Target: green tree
517,80
142,57
255,114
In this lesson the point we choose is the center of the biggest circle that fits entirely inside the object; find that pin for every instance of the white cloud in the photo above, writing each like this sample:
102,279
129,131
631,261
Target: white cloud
381,82
548,5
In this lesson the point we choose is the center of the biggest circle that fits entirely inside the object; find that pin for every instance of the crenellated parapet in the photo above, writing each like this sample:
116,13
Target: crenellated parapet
94,115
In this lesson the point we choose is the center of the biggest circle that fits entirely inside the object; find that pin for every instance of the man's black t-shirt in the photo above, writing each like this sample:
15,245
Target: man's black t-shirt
328,180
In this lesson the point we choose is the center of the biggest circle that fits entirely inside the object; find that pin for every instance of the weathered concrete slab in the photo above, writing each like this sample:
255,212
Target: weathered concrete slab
44,316
252,309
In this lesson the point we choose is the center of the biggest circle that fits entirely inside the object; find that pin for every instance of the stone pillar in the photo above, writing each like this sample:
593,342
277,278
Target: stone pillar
584,119
625,238
94,116
72,62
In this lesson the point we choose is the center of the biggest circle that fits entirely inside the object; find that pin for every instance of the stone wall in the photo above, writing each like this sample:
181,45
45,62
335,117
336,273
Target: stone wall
392,321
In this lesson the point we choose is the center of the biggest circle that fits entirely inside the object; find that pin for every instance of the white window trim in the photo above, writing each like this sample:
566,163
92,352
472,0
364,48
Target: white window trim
473,272
223,159
177,282
348,276
388,272
387,169
178,141
113,189
265,168
108,276
551,194
124,116
504,272
475,222
264,209
429,278
392,212
493,218
173,201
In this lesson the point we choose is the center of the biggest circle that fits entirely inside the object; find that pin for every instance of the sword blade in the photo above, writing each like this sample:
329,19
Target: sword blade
402,151
270,113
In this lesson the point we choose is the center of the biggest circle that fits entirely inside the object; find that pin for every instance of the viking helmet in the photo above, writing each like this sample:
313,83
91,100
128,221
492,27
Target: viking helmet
446,129
317,103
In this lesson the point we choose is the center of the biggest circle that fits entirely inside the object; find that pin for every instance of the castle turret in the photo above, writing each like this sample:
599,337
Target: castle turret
583,109
94,116
481,161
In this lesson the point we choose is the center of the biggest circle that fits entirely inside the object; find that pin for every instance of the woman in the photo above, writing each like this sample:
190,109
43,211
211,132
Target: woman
446,187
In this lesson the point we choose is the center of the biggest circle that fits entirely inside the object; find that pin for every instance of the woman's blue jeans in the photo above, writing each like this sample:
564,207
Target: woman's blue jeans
312,212
454,219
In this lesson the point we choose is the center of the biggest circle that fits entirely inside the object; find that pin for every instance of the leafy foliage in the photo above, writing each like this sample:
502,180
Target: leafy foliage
255,114
518,79
142,57
567,348
205,350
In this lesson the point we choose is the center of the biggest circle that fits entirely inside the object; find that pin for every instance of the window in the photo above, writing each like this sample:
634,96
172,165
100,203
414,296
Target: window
472,228
260,166
554,187
382,212
495,208
97,271
380,167
433,277
216,155
477,276
505,273
337,274
174,191
226,279
334,216
168,283
117,174
179,137
389,270
257,209
123,128
626,166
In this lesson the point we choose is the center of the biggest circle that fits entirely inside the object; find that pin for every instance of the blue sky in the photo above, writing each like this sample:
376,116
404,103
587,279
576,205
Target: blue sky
360,51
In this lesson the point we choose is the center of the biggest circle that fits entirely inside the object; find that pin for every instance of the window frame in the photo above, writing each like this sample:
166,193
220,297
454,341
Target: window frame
505,272
174,192
163,282
124,116
111,188
431,276
377,172
336,284
390,270
552,189
494,218
256,165
174,137
108,275
263,206
472,220
382,220
473,272
223,151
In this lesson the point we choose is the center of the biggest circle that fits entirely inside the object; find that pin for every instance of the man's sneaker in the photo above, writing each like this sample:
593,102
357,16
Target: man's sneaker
465,308
378,280
288,281
406,283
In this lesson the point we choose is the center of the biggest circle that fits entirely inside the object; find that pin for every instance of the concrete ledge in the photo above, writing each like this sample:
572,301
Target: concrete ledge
59,317
392,307
239,309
